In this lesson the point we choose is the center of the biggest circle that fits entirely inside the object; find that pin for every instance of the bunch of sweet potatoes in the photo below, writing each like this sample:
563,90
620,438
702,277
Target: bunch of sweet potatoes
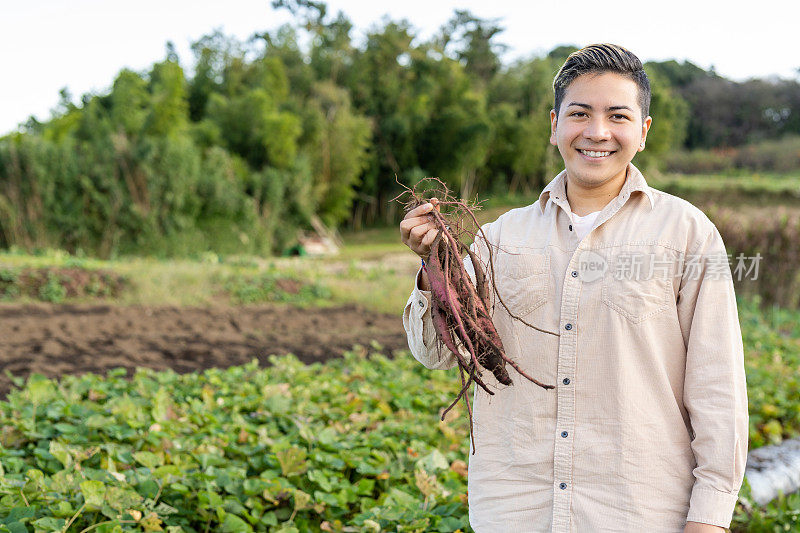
460,309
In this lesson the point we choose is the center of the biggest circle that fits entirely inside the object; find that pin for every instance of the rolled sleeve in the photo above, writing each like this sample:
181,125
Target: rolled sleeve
715,387
420,331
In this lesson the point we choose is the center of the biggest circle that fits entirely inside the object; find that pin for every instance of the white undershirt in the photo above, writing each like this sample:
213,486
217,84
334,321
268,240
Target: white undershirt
582,225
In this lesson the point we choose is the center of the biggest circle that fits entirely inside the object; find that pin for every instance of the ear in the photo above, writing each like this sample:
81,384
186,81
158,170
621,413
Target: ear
553,120
645,128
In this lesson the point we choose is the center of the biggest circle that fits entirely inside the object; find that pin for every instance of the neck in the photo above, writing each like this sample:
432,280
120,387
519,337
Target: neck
584,198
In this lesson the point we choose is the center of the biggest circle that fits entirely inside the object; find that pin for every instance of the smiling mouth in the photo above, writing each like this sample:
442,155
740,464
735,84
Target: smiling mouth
595,155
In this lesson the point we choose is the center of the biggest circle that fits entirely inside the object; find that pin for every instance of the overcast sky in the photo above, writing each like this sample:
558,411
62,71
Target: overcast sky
82,44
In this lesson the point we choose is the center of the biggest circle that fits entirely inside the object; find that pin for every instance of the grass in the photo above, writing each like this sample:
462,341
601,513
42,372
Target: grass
756,183
375,272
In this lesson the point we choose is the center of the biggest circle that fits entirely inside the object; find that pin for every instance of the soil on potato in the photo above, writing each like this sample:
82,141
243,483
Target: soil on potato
72,339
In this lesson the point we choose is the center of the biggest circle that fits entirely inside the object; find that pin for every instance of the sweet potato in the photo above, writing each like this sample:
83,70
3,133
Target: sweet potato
460,309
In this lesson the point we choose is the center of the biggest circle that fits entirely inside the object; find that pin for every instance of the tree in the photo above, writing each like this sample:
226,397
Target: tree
474,46
339,152
526,88
212,54
455,142
169,109
670,114
130,102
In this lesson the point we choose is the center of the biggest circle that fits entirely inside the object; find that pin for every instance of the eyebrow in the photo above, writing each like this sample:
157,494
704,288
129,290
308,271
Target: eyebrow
609,108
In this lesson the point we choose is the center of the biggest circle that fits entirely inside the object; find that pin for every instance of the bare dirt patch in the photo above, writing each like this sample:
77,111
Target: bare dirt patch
72,339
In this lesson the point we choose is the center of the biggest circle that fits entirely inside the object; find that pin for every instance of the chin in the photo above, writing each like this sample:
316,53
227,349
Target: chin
589,177
595,176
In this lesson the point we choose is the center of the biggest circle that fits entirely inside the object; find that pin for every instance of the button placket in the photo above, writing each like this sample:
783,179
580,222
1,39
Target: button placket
563,451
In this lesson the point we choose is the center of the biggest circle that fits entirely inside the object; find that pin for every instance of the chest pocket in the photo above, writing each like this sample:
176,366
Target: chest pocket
638,284
522,279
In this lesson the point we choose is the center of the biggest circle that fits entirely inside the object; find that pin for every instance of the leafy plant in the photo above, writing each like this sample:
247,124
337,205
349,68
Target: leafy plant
293,447
52,290
273,286
9,283
335,447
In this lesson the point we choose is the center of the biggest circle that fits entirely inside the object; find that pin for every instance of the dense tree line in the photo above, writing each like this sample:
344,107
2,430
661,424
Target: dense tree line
261,137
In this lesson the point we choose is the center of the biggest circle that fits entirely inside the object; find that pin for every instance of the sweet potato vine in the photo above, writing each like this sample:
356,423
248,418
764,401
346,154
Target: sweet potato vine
460,310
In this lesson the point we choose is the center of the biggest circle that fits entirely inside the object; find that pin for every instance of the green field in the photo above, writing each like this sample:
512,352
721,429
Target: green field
338,446
294,447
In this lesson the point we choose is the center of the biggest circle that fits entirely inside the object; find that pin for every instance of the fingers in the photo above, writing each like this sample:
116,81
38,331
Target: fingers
417,230
428,239
420,210
421,239
424,208
407,226
417,216
417,234
410,223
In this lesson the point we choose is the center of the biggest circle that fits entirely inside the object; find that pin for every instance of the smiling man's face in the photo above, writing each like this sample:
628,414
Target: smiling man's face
599,128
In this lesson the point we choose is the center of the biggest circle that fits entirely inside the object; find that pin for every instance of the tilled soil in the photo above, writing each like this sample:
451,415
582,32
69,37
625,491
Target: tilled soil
72,339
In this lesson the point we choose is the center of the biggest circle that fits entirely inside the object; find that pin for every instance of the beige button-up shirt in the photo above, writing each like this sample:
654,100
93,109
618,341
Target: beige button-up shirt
647,426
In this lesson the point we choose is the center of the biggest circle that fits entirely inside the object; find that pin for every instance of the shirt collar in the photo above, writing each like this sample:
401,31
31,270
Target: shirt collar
634,181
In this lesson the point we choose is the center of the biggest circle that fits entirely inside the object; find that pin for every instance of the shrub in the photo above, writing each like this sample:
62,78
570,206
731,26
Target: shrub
775,239
272,286
781,155
55,284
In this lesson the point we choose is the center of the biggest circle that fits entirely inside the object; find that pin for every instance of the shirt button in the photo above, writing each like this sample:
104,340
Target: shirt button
566,381
562,486
421,303
570,227
574,273
564,434
568,327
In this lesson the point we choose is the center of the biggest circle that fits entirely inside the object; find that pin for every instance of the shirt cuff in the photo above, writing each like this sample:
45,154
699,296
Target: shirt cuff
422,298
421,333
709,506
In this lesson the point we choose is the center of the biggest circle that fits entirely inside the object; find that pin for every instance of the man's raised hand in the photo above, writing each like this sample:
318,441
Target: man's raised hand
417,230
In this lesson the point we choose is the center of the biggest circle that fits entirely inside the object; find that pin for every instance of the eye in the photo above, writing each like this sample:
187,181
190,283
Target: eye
577,113
619,116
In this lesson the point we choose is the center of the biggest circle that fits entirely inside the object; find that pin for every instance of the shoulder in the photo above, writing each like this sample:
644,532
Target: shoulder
513,225
687,221
514,217
665,202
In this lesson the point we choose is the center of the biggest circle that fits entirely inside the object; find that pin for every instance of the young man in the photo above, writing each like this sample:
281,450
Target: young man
647,428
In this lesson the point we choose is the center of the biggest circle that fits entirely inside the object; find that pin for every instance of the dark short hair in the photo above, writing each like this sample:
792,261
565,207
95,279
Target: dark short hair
599,58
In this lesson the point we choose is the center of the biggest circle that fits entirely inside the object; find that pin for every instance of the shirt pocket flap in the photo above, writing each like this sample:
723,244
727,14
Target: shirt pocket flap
520,263
522,279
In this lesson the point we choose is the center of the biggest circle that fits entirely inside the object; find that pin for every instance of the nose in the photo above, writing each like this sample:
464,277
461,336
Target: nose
597,130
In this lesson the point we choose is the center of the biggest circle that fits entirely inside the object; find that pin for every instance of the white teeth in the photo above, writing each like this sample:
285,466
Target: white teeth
595,154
